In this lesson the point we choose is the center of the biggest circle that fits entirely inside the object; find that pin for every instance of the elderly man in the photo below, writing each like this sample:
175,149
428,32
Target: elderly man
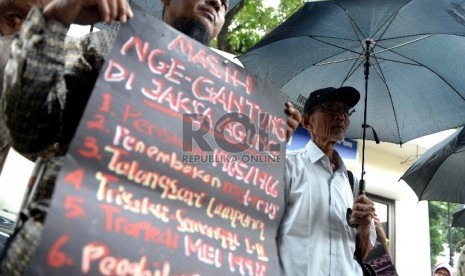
315,236
42,113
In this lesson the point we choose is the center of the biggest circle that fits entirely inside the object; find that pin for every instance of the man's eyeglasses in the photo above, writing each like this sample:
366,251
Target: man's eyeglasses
333,108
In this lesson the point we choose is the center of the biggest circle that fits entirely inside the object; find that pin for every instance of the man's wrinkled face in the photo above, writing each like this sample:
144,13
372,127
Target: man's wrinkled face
329,121
200,19
13,13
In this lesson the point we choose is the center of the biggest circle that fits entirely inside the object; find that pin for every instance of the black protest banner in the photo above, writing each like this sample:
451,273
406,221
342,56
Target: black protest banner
176,167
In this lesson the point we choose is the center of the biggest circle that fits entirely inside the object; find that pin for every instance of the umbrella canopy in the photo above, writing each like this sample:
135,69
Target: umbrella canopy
439,174
458,218
407,55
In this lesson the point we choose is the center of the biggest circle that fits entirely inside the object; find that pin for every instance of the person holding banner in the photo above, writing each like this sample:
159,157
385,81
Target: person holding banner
12,15
316,236
48,83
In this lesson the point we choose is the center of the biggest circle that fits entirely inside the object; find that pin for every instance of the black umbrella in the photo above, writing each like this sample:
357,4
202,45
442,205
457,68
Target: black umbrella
406,55
439,174
458,218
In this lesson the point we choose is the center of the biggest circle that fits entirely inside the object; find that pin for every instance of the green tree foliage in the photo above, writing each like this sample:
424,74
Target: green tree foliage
439,229
249,21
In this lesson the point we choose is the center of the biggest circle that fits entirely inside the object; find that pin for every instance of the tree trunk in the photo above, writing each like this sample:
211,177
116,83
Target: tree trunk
224,33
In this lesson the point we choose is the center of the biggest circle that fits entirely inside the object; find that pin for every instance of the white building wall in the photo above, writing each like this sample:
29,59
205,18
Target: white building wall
13,181
412,238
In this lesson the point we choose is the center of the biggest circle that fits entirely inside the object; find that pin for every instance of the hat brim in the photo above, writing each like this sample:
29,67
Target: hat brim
348,95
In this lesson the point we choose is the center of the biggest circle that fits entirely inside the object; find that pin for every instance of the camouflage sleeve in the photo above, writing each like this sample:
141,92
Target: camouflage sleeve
47,84
34,90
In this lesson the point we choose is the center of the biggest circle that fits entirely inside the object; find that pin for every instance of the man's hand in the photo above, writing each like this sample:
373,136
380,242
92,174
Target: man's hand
363,211
293,120
14,12
85,12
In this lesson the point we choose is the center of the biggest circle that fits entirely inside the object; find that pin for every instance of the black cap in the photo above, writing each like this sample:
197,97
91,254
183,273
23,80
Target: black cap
349,95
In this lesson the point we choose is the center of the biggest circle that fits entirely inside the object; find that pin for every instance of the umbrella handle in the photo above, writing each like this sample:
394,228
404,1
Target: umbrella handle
361,187
375,136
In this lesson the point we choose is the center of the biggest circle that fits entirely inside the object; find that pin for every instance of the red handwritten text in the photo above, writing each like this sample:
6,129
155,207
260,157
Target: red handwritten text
111,265
116,223
229,240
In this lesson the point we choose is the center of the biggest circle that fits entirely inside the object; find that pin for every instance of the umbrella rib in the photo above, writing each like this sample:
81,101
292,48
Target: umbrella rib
330,37
389,21
337,61
355,59
352,70
407,36
403,44
381,75
431,70
318,63
332,44
356,29
398,61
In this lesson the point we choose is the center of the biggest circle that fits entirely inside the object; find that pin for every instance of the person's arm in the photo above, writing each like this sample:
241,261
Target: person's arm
85,12
34,88
362,213
381,235
364,241
47,84
293,120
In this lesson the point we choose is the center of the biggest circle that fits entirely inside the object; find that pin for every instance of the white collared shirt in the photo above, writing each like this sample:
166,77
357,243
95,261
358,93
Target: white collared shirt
314,237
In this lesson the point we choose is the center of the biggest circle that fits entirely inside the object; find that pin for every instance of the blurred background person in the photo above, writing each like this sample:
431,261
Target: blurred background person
443,269
12,15
381,235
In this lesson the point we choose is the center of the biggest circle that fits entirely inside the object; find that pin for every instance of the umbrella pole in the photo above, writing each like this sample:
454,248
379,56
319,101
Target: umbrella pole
361,187
451,249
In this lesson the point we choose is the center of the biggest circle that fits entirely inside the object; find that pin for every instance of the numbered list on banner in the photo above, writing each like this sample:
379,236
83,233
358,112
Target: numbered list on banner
176,167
